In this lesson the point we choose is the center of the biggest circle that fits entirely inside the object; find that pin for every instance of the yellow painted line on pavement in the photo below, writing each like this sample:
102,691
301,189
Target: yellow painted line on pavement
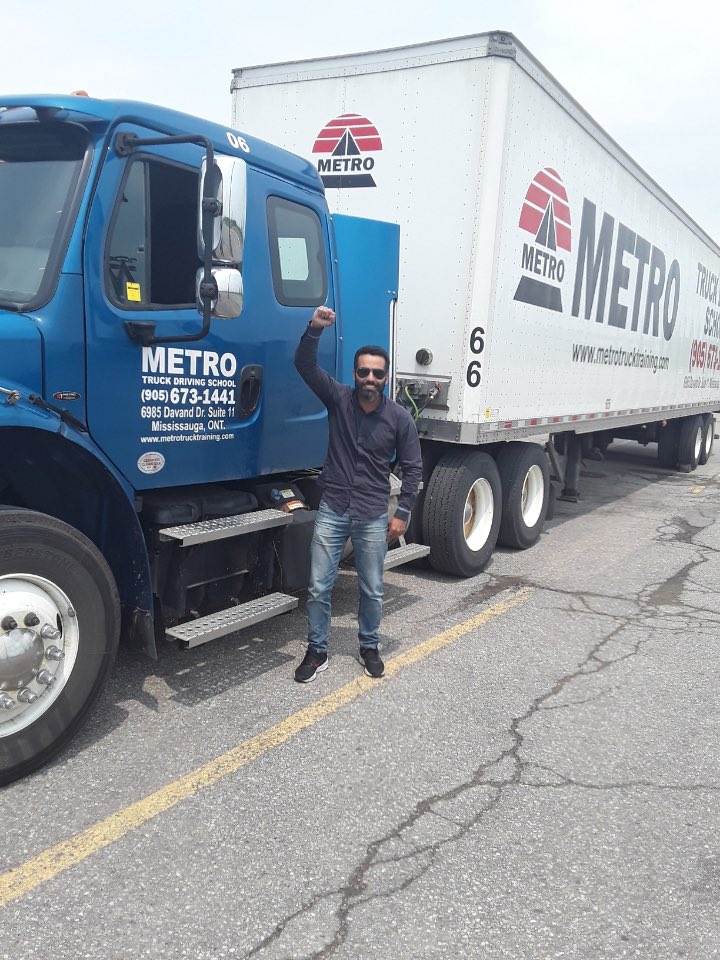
45,866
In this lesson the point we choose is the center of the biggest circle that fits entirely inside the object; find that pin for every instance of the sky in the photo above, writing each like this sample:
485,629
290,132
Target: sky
648,71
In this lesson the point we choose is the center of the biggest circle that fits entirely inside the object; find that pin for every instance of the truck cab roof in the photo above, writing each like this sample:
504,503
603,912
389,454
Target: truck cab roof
104,115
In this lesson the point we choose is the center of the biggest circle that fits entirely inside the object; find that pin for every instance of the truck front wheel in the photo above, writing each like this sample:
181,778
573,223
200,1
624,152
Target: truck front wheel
525,480
59,629
461,513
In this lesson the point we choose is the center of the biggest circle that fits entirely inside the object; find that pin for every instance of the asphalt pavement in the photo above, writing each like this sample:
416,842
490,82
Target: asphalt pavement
537,776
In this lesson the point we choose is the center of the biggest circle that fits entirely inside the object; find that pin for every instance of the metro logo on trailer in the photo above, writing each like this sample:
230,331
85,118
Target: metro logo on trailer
546,215
347,138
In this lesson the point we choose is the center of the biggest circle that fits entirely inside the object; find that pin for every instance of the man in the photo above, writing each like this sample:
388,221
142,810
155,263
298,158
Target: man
366,430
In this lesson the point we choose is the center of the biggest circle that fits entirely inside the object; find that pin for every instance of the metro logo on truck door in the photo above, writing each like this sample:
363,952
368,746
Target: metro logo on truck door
545,214
348,139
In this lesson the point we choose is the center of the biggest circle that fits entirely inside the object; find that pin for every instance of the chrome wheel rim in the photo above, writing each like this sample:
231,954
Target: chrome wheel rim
39,638
698,443
533,495
478,514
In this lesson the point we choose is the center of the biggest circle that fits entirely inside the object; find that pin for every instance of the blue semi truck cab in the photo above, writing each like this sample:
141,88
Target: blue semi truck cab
159,450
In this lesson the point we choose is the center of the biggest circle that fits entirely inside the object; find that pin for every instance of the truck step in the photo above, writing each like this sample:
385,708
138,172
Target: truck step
189,534
195,632
411,551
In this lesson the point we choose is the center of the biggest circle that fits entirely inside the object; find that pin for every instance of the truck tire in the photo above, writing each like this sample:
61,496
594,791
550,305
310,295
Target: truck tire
708,438
415,532
525,481
461,514
59,631
690,441
668,438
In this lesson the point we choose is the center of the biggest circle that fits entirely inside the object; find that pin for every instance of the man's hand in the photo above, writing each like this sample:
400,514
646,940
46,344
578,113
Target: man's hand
323,317
396,528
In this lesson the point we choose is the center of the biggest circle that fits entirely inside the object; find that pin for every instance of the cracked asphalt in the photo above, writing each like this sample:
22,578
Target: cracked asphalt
546,785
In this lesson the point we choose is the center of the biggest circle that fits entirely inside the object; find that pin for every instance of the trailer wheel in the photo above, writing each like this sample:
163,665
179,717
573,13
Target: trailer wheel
415,532
690,443
59,630
525,481
462,510
708,438
668,438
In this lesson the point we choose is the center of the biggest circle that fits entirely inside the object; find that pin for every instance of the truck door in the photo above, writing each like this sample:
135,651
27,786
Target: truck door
367,253
229,406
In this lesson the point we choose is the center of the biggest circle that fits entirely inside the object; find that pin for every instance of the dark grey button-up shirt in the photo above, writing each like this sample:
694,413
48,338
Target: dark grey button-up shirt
361,445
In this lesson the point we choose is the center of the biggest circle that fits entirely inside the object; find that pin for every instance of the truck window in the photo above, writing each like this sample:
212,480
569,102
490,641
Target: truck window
40,168
297,254
151,253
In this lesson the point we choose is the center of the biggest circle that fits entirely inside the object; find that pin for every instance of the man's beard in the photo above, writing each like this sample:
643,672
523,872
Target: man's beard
370,391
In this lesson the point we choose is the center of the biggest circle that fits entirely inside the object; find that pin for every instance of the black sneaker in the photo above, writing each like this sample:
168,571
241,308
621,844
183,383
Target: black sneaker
313,664
374,667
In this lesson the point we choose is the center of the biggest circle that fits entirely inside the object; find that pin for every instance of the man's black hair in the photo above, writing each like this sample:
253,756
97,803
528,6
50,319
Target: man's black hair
374,351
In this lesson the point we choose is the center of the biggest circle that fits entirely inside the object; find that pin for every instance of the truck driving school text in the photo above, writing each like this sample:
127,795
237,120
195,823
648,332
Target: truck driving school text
187,393
704,354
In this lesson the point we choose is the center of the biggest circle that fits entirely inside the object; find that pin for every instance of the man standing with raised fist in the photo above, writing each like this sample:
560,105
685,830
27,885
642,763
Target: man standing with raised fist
367,429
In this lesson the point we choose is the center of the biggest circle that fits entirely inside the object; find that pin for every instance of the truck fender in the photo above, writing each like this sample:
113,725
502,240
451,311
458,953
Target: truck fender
55,468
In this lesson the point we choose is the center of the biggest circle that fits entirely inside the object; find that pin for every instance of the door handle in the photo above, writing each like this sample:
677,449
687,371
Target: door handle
249,384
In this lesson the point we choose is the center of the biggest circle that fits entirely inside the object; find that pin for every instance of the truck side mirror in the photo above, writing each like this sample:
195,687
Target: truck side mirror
229,189
229,300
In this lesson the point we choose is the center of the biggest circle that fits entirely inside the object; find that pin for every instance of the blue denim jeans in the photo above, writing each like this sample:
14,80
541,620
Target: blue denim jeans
369,540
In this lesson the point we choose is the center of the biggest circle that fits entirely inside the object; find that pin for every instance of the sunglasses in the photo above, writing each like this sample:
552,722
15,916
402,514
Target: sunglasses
364,372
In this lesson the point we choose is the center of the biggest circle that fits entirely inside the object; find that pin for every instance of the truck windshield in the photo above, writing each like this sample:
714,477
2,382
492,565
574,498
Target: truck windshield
39,168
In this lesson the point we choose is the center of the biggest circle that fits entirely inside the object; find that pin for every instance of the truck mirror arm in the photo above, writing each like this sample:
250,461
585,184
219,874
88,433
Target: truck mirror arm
143,331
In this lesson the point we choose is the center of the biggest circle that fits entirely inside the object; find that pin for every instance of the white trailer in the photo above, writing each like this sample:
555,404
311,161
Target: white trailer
548,285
